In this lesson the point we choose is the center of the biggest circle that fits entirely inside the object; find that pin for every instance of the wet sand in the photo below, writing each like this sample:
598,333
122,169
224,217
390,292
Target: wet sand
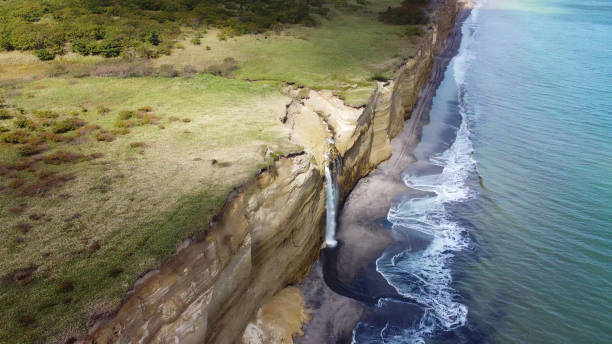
348,273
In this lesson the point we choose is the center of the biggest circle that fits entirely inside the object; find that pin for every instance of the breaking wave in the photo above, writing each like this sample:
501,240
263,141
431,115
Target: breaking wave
423,276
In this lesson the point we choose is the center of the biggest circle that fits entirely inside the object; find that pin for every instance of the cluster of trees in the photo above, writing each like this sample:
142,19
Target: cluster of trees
411,12
112,27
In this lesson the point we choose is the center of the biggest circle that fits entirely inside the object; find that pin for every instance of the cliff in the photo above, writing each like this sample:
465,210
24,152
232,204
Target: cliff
270,233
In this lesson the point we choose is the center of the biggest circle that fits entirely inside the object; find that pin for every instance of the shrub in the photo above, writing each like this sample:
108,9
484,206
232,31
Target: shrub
24,123
379,77
65,287
45,183
14,137
47,122
3,129
61,157
124,124
5,114
44,54
111,26
67,125
102,110
146,118
147,51
145,109
410,12
86,130
53,137
115,271
46,114
225,69
84,47
187,120
32,149
125,115
105,137
165,48
152,37
414,31
196,41
108,48
138,145
122,131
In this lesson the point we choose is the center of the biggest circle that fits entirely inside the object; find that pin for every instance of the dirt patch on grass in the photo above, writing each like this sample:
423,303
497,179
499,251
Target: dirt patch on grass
21,275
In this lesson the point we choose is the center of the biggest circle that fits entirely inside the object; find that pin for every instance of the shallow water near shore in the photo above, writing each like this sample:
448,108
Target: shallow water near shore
506,234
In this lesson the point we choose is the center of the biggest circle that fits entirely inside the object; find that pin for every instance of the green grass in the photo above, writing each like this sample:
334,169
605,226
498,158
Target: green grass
157,185
341,54
153,188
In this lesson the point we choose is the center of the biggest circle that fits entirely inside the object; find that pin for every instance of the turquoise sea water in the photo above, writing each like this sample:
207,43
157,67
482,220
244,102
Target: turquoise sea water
504,234
538,92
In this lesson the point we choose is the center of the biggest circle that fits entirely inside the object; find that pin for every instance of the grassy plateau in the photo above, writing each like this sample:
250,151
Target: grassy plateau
107,164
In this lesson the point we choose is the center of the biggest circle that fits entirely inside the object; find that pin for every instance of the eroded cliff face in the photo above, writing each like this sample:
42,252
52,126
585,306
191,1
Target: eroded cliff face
271,231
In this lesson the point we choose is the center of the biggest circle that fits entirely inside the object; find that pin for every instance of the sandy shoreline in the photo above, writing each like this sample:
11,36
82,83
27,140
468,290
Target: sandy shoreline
347,273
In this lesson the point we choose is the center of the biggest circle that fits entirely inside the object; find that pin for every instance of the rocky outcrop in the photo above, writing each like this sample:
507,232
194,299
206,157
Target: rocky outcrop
270,233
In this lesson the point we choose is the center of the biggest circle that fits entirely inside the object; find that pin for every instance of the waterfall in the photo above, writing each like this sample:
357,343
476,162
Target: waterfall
331,203
333,164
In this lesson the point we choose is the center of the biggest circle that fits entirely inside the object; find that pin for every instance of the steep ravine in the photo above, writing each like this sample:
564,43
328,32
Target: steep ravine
270,233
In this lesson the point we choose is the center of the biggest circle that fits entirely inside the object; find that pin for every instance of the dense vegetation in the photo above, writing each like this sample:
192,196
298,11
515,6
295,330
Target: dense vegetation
411,12
143,27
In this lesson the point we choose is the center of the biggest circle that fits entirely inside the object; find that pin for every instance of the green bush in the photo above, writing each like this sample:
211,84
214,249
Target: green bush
410,12
108,27
379,77
17,136
67,125
5,114
32,149
44,55
108,48
102,110
125,115
46,114
84,47
24,123
225,69
152,37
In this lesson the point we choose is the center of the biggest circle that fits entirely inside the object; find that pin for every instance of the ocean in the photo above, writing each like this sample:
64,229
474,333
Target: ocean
510,237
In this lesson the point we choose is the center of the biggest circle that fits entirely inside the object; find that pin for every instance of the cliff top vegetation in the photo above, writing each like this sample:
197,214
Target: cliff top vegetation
107,163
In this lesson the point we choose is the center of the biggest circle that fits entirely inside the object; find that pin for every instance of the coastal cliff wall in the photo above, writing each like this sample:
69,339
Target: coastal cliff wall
271,230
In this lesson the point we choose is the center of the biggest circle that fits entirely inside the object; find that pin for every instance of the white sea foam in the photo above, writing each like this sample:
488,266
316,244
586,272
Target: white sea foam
425,276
